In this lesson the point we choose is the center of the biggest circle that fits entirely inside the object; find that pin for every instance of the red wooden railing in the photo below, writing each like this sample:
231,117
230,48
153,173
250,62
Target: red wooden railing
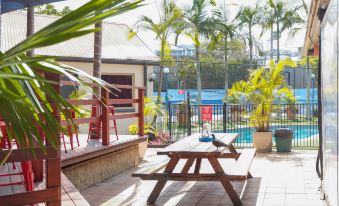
51,195
104,114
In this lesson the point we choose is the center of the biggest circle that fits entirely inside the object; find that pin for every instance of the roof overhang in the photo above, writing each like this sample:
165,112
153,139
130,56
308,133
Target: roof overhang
12,5
313,25
109,61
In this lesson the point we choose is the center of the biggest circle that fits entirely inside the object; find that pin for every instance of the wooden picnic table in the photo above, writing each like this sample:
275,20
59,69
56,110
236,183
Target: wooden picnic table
191,150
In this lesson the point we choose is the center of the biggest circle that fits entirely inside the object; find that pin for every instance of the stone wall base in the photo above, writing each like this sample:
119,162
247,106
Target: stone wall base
87,173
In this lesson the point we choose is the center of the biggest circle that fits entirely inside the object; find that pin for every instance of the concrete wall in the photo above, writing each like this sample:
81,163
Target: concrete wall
137,72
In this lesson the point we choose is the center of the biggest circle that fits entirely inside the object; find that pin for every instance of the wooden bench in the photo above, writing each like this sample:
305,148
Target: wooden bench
243,164
239,173
146,173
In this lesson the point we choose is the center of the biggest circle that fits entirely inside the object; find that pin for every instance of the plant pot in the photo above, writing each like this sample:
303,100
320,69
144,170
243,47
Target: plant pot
283,139
283,144
291,115
182,119
236,116
262,141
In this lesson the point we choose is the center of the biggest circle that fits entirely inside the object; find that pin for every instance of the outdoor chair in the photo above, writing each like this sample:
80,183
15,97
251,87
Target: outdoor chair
26,166
71,131
96,127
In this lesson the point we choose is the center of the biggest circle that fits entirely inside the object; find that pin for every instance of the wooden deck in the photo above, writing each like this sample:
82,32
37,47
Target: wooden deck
69,194
94,148
86,150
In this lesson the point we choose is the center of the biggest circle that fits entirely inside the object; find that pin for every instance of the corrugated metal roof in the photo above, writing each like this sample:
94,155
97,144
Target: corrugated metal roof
116,44
11,5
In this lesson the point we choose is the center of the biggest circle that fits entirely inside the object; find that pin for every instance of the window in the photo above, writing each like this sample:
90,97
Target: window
124,93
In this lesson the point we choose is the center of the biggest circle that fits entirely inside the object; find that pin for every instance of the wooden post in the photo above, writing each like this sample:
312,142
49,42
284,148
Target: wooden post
105,117
53,166
141,112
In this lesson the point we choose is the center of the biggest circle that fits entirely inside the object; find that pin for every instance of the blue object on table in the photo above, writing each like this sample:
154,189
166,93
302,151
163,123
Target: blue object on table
206,139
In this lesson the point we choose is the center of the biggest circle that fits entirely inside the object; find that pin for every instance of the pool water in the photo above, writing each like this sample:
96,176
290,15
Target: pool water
300,132
215,96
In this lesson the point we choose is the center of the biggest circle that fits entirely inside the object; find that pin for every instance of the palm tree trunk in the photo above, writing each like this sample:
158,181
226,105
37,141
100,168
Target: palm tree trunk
97,66
197,61
30,26
226,66
271,54
250,44
278,46
161,74
97,56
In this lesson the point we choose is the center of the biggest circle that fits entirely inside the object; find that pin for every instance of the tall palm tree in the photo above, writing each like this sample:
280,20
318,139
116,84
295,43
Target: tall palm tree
285,18
166,26
198,24
23,90
249,16
30,26
267,23
97,55
225,29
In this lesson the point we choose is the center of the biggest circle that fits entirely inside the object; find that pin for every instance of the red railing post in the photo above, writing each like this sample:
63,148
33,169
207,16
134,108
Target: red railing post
105,117
141,112
53,166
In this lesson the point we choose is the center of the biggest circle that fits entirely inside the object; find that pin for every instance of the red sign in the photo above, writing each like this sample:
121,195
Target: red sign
206,113
181,92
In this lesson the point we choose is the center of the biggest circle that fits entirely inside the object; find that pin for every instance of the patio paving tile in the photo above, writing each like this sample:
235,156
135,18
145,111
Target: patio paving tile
279,179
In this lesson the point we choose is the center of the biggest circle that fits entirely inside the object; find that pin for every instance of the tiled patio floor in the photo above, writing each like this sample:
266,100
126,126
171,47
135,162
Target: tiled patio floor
279,179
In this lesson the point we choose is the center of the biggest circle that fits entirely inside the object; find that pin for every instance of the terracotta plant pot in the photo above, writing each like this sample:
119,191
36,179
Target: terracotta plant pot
182,119
262,141
291,113
236,116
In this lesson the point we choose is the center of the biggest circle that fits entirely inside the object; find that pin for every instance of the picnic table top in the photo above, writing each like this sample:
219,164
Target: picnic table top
191,144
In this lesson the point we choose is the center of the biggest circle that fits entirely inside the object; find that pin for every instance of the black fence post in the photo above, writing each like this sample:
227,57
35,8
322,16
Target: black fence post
170,119
188,118
224,117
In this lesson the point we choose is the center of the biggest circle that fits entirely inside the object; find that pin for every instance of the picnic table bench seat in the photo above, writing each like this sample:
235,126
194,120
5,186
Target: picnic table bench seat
238,173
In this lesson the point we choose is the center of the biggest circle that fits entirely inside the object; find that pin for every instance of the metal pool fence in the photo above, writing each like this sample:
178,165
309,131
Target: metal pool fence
185,119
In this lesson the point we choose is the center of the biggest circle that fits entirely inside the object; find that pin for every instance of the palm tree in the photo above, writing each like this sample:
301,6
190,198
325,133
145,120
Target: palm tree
23,90
30,26
197,24
225,29
167,25
97,55
285,18
267,23
249,16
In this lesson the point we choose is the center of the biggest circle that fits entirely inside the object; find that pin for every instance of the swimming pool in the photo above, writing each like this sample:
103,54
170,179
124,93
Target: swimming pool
300,132
215,96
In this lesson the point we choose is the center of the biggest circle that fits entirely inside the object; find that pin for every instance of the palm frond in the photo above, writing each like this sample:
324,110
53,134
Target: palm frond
28,101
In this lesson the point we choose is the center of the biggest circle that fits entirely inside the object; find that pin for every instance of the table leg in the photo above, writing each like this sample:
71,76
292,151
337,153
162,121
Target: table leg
233,150
187,166
161,183
225,183
197,166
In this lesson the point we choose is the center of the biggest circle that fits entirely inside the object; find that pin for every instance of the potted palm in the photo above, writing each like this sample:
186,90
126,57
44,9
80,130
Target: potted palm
264,87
